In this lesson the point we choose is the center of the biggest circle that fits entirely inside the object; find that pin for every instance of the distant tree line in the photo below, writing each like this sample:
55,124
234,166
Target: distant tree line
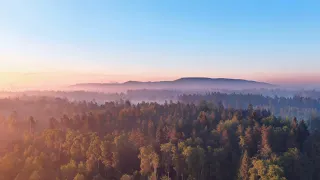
296,106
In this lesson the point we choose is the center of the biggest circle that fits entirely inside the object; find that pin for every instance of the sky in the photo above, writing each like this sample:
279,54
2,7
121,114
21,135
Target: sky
58,42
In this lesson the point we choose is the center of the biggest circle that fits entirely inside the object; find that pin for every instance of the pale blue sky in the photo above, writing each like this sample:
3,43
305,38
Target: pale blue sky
257,40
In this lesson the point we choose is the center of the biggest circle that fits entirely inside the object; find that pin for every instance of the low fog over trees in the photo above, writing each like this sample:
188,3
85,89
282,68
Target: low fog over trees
54,138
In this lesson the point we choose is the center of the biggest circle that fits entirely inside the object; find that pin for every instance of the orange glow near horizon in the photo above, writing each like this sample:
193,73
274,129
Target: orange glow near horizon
56,80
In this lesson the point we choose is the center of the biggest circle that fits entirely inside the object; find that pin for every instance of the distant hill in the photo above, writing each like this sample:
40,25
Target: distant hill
185,83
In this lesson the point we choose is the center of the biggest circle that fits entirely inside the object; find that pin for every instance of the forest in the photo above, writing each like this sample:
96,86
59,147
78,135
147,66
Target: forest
296,106
48,138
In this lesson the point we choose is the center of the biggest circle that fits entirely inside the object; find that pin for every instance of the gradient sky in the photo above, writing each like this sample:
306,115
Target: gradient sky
99,41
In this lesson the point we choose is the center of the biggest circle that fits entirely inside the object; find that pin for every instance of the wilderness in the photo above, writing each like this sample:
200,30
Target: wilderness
159,90
199,136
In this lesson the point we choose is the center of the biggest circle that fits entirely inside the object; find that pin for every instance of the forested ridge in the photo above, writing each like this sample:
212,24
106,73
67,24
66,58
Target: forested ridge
53,138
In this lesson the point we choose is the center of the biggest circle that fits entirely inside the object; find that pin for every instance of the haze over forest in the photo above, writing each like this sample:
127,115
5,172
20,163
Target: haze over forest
159,90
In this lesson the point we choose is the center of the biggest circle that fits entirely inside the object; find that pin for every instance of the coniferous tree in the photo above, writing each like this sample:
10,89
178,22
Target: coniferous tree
244,167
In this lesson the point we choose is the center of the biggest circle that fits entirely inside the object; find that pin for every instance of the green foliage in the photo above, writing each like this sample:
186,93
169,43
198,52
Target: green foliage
79,177
121,140
149,161
265,170
68,171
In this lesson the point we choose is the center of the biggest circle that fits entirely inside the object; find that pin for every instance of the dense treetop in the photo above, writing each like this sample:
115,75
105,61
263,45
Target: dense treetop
53,138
